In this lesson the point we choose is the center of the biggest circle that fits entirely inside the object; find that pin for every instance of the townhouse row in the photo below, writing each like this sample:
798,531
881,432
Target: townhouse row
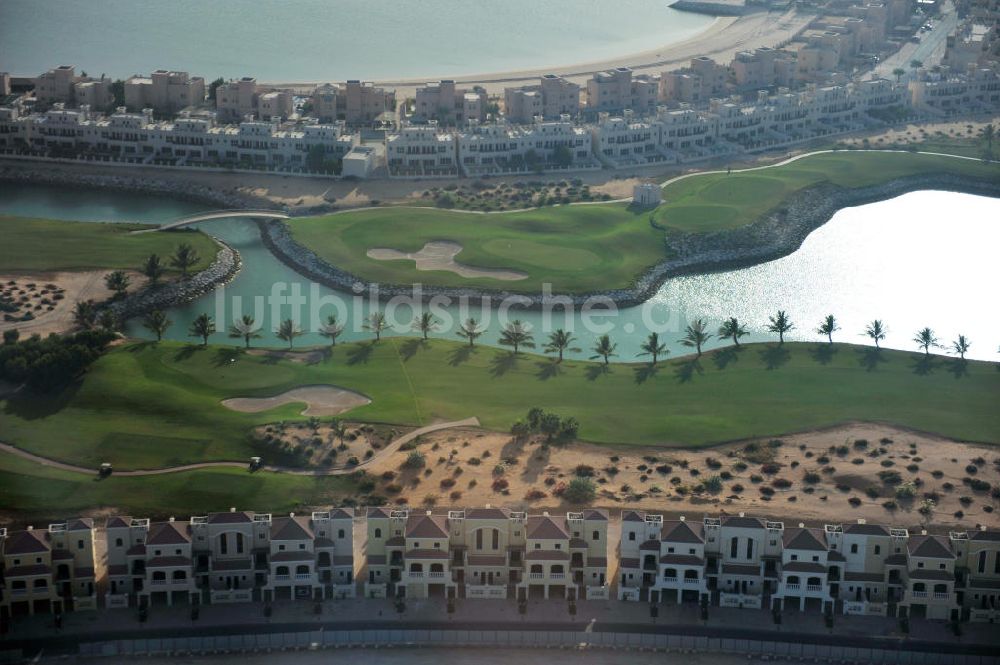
736,561
860,568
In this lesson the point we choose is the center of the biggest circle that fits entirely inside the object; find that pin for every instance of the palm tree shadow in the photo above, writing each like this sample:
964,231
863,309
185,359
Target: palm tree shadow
225,355
686,370
139,347
596,371
548,369
320,356
645,372
360,354
502,363
409,348
823,353
774,357
460,355
924,365
959,367
186,352
870,359
726,356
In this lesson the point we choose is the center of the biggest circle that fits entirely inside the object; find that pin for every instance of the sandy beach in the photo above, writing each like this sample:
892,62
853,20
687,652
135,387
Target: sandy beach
721,40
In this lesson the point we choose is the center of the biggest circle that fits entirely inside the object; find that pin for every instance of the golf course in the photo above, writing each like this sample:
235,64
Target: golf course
599,247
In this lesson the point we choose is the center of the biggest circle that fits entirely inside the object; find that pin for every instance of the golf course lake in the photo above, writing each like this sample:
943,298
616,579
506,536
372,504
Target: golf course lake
922,259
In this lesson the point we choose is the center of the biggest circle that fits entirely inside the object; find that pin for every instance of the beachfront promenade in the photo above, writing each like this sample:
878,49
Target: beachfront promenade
596,624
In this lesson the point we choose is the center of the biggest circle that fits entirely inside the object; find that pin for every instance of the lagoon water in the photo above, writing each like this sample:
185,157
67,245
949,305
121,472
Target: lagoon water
319,40
922,259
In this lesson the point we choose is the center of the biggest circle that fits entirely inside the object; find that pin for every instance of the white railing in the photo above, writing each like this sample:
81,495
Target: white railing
115,600
941,596
792,586
435,575
19,592
598,592
415,574
691,582
814,588
919,594
670,580
158,582
628,593
302,577
984,616
232,596
282,578
557,576
739,600
536,576
375,590
864,608
485,591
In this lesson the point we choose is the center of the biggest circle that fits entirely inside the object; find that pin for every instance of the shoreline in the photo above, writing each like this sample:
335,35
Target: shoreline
778,233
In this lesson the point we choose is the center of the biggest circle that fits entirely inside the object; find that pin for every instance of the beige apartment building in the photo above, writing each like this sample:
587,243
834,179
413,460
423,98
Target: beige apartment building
618,89
230,557
450,105
48,570
61,85
164,91
243,98
949,93
552,98
356,102
486,553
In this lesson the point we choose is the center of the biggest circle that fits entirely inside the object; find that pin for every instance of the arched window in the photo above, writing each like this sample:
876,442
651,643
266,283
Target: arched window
596,536
302,570
378,533
340,533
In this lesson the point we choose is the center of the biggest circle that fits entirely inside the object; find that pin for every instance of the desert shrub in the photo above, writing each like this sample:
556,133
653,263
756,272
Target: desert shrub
906,491
713,484
811,477
887,463
664,469
393,488
415,460
965,500
890,477
978,485
872,492
861,444
580,490
737,488
781,483
713,463
475,461
971,469
535,495
584,471
447,482
854,501
858,460
500,484
889,505
912,468
766,491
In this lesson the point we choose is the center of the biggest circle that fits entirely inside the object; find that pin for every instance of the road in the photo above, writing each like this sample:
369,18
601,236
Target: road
930,49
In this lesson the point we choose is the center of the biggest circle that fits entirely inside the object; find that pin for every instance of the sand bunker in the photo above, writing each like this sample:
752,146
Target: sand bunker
320,401
440,255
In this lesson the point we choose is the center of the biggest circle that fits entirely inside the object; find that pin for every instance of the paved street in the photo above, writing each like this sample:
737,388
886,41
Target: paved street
929,50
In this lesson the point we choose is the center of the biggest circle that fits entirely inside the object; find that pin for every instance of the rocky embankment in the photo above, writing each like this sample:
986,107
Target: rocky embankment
777,234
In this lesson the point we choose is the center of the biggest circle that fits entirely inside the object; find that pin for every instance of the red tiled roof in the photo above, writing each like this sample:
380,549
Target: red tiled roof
118,521
866,529
168,562
343,560
740,569
321,543
168,533
742,522
487,514
80,524
136,550
803,567
117,570
61,555
924,574
292,556
228,565
83,572
628,563
803,539
544,527
238,517
376,559
486,560
863,577
895,560
291,528
595,514
992,536
26,542
932,547
597,562
633,516
681,560
650,546
342,514
427,526
396,541
28,571
377,512
677,531
577,543
834,555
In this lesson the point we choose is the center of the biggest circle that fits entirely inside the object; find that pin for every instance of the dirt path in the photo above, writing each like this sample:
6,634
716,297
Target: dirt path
340,471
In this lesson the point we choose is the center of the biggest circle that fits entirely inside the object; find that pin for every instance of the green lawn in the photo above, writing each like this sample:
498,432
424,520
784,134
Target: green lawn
36,493
579,249
42,244
148,405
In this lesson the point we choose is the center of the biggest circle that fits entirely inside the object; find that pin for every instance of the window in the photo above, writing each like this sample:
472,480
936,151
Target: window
691,551
302,546
815,558
496,539
558,546
878,550
177,552
340,533
378,533
79,544
156,552
118,542
982,562
749,548
479,539
596,535
734,545
631,535
670,550
223,544
281,548
854,548
795,557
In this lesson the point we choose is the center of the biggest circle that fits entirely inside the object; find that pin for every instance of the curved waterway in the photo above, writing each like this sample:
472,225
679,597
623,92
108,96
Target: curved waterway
319,40
922,259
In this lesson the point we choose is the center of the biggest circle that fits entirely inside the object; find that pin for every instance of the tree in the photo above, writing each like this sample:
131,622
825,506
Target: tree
828,327
108,321
152,268
470,330
580,490
11,336
415,460
695,335
988,133
85,314
549,425
925,339
562,156
780,323
184,258
426,323
246,328
520,431
376,323
961,346
213,87
898,73
332,329
288,331
117,89
535,418
516,334
118,282
157,323
652,347
877,331
338,429
559,341
604,348
203,327
732,328
916,64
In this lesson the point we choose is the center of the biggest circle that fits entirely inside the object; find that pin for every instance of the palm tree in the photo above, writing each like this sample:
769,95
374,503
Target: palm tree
426,323
331,329
898,73
828,327
732,328
184,257
288,331
925,339
118,282
203,327
376,323
516,334
604,348
157,323
246,328
988,133
916,64
780,323
470,330
877,331
653,347
338,429
559,341
961,345
108,321
85,314
152,268
695,335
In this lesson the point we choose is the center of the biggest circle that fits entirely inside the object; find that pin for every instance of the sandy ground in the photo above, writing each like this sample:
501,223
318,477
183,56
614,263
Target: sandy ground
320,446
76,287
916,133
440,255
319,400
721,41
466,461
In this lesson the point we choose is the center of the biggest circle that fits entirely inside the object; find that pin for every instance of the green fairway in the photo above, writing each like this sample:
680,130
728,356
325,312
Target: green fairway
37,493
42,244
148,405
586,248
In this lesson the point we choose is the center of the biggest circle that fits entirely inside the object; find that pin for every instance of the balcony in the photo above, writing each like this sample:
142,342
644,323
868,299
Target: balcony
19,592
557,576
303,577
435,575
690,581
415,574
792,586
282,578
536,576
158,582
919,594
814,588
941,596
670,580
